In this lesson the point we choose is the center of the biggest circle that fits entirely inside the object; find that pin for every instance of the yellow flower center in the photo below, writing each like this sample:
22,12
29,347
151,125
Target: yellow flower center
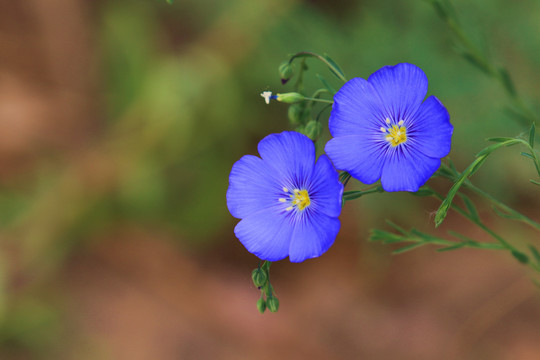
396,134
299,198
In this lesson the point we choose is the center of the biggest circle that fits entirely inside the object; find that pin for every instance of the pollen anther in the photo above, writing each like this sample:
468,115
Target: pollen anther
397,134
299,199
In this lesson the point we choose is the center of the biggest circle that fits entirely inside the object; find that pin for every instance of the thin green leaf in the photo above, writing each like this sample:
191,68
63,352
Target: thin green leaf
534,182
385,237
507,81
453,247
447,202
527,155
470,206
504,215
397,227
521,257
326,84
500,139
508,142
407,248
423,236
535,253
532,133
335,67
423,191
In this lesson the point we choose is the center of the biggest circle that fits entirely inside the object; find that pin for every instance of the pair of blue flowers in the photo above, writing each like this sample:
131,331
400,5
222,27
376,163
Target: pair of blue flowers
289,203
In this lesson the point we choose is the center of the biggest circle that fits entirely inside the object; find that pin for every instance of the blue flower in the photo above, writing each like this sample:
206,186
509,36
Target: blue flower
289,205
383,130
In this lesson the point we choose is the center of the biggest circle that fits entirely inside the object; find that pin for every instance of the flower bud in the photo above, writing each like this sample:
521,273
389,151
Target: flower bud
290,98
285,71
261,305
295,114
312,130
259,277
272,303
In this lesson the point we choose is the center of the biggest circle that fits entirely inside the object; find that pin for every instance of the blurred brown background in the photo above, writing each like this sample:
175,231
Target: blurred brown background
119,123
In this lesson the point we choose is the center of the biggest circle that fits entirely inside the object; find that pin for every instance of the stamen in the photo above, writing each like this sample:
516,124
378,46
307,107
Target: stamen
285,189
388,120
400,122
383,129
300,199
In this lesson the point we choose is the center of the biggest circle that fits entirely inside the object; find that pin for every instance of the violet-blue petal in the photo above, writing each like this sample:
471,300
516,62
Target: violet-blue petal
252,187
401,88
312,236
266,233
407,170
290,153
356,106
326,190
431,131
360,155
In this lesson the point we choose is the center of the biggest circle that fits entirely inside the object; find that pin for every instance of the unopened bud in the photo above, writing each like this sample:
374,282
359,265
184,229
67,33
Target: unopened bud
295,114
290,98
313,129
285,71
261,305
272,303
259,277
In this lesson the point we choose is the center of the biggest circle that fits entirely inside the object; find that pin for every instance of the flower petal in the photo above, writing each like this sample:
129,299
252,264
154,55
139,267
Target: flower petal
401,88
252,187
356,106
431,132
326,190
291,154
407,170
360,155
312,236
266,233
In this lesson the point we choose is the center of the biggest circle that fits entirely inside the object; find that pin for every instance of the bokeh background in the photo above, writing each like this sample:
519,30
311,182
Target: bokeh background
119,123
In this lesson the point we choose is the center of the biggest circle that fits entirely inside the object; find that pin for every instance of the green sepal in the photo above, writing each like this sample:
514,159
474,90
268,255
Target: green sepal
296,114
272,303
259,277
285,71
312,130
261,305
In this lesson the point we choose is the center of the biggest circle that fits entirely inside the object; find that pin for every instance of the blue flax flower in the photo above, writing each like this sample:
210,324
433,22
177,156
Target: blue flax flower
289,205
383,130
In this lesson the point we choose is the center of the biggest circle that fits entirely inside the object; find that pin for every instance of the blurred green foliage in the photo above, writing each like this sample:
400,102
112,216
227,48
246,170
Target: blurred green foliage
181,85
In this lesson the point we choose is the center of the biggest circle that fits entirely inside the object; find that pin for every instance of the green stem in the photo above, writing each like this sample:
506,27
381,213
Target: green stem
351,195
476,222
515,214
319,100
321,58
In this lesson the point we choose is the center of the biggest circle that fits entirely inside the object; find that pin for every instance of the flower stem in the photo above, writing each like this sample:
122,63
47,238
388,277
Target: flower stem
477,222
513,213
319,100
